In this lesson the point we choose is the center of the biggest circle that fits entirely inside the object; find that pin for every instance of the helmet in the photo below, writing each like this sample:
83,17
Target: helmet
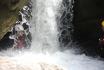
102,23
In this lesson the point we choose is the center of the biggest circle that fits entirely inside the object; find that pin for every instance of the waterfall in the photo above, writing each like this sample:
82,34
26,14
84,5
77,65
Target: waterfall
45,53
44,25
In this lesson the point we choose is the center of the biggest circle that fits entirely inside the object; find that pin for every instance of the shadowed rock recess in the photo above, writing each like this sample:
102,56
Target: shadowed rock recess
88,15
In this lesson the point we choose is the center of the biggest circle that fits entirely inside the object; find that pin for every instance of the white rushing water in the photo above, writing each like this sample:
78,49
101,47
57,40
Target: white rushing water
44,25
44,53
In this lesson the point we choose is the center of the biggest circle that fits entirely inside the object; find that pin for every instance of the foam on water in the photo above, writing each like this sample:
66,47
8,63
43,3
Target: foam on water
65,60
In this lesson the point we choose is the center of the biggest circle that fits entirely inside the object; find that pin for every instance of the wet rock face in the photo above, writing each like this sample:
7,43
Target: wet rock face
9,10
8,3
16,30
14,1
65,24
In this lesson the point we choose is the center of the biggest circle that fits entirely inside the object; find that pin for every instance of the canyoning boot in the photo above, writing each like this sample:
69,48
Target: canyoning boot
101,52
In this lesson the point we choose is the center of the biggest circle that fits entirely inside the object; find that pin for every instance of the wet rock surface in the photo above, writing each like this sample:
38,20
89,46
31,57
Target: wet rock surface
18,34
9,10
65,24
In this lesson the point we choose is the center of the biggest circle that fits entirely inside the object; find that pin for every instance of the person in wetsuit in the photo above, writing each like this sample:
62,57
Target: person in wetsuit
101,41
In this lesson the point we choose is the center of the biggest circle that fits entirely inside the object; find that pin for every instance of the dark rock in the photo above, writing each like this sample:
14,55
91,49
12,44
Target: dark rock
6,42
14,1
88,15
